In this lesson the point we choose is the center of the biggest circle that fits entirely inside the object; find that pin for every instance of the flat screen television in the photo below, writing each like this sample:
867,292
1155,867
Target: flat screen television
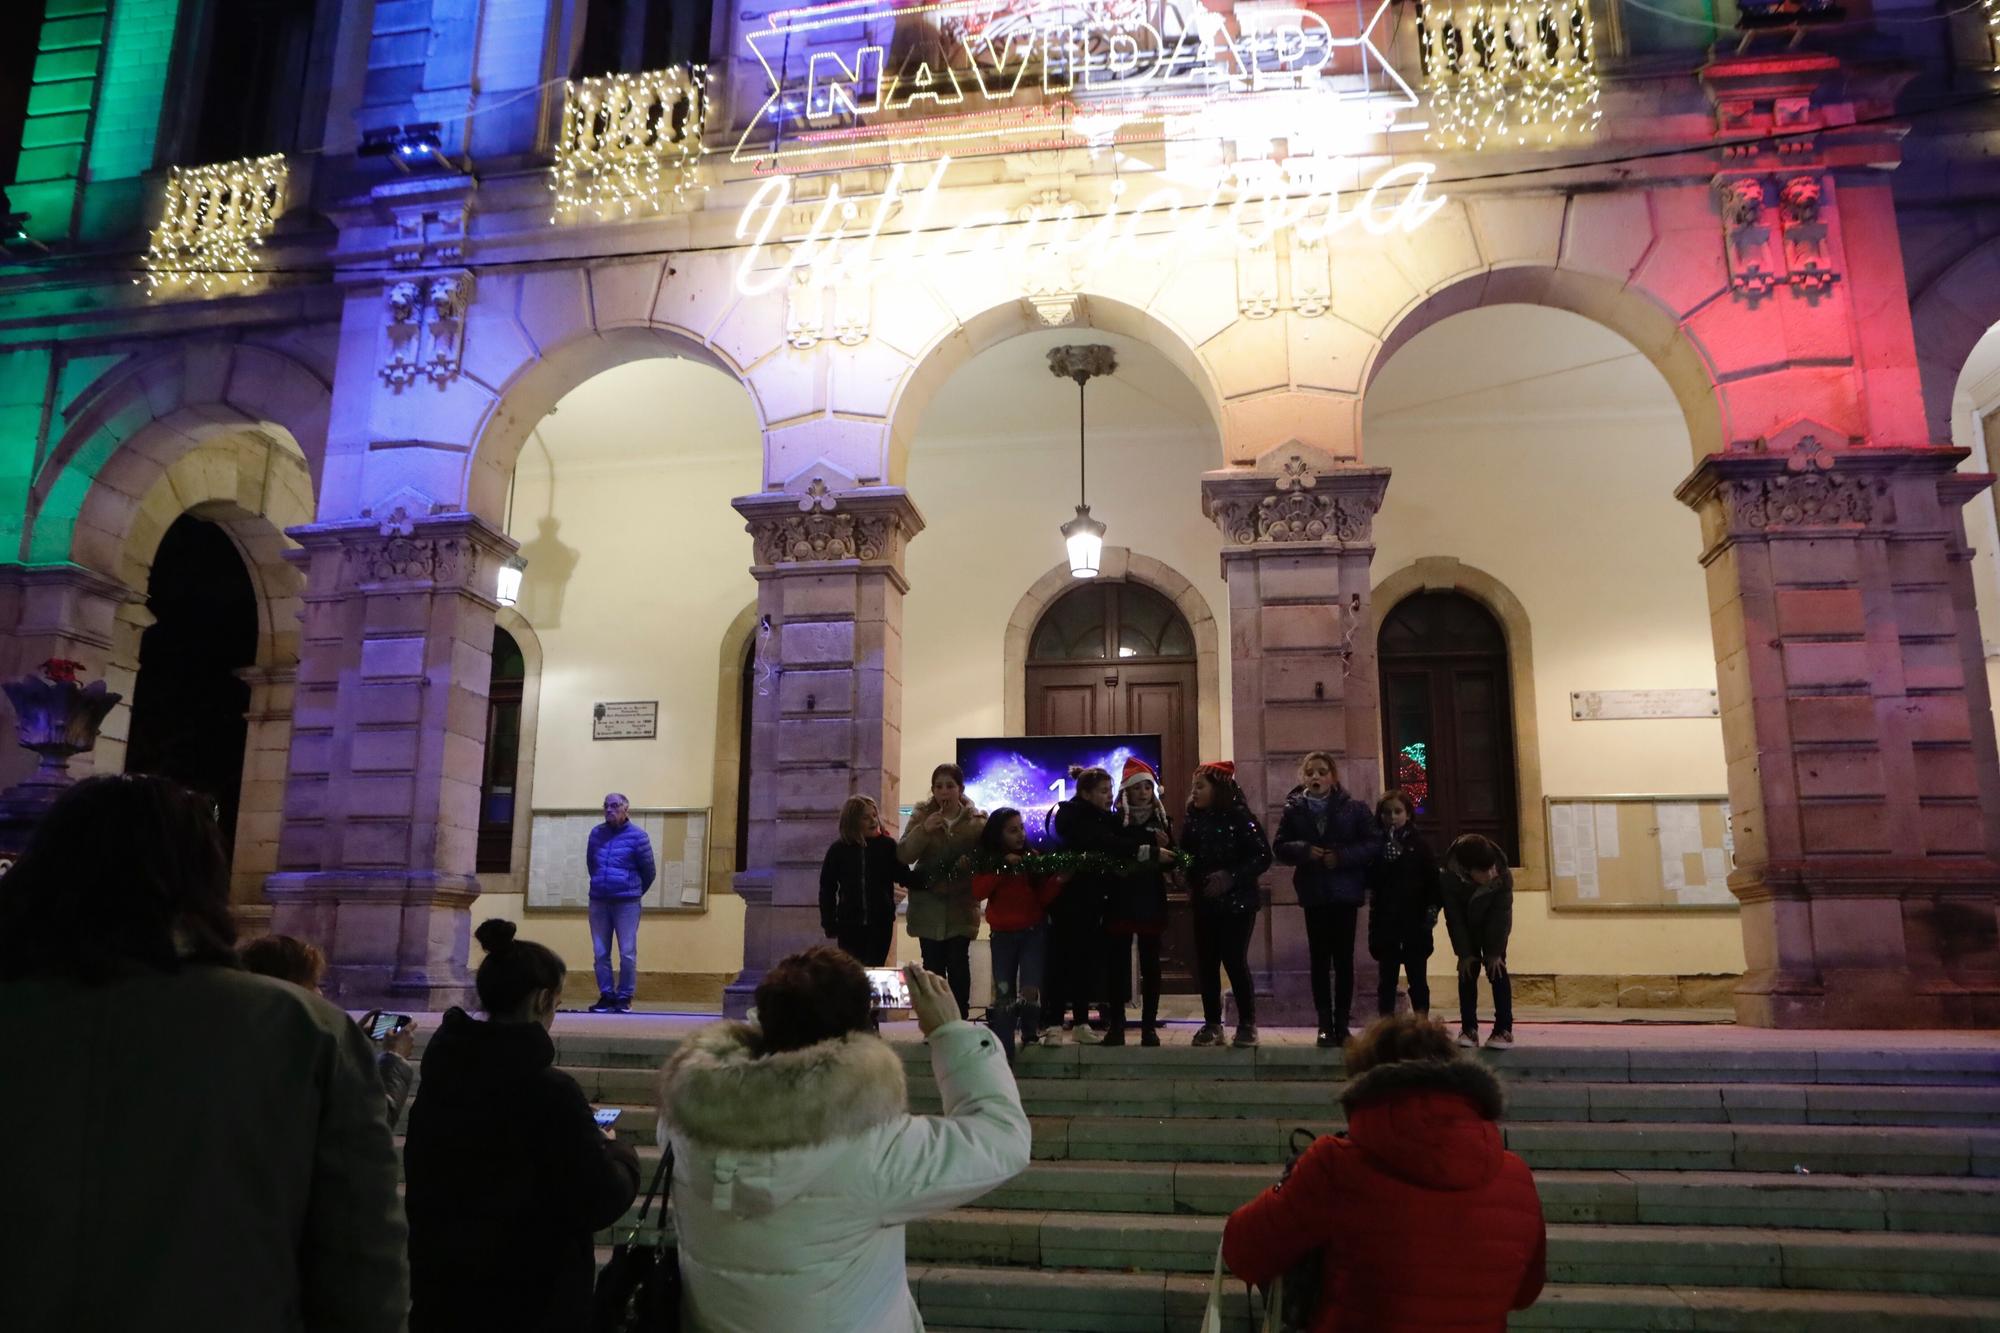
1031,773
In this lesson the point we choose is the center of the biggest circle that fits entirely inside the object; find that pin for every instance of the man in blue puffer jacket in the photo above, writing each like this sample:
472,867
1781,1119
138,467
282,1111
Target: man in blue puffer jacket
619,857
1332,839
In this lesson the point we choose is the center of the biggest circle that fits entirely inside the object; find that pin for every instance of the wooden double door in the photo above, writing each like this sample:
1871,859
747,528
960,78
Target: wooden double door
1118,659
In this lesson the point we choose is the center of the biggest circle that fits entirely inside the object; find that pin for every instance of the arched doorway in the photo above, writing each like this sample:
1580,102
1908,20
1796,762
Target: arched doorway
1109,658
499,783
1447,717
190,705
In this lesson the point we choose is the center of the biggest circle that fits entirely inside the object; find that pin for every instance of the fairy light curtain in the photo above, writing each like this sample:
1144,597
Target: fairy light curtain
1508,73
214,224
630,142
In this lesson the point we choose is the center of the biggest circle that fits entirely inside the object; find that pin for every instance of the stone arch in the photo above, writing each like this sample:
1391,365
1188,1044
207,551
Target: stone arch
121,436
1120,565
1627,310
959,341
1438,573
1948,318
530,644
254,487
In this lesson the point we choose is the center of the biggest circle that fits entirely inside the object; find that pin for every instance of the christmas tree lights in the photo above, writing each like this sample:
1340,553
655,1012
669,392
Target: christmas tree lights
630,142
1509,72
214,223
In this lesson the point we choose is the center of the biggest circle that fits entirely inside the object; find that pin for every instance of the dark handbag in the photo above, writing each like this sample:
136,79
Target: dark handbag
1297,1296
639,1290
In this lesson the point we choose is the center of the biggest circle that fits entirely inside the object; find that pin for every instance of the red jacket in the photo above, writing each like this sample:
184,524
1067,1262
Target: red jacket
1428,1223
1015,901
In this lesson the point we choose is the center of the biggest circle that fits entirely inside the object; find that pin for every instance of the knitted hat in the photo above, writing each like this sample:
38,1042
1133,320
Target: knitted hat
1137,771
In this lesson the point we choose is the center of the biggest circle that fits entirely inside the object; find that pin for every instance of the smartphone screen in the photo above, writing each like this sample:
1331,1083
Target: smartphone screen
891,987
607,1116
384,1024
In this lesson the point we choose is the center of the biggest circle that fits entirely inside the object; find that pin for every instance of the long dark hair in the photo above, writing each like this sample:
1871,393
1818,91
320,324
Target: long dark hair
126,870
1228,796
513,969
991,849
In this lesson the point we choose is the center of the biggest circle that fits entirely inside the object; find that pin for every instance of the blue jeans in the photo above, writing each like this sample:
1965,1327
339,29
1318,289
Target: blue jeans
1018,959
618,916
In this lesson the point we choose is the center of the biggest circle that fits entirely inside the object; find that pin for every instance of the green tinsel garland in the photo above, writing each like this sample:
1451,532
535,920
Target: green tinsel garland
1083,863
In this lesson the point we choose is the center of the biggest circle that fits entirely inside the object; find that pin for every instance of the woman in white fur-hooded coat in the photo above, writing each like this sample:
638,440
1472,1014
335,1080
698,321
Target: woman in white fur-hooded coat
795,1172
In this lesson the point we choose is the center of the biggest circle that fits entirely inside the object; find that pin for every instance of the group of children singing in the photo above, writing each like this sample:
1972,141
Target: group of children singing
1065,921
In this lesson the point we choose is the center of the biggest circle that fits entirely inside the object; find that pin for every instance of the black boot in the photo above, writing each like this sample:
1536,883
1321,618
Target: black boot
1000,1017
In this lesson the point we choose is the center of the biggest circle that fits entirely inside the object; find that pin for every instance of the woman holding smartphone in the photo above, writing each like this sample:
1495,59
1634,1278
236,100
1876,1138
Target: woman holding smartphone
508,1173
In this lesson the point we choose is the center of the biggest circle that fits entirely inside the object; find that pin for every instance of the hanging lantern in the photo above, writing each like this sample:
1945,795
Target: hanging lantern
507,587
1083,535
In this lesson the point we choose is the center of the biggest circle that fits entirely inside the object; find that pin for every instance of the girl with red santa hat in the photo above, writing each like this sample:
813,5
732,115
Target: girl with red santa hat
1137,908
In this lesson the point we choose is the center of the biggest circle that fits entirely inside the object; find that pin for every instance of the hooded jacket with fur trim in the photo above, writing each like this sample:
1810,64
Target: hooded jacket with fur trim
1427,1222
795,1173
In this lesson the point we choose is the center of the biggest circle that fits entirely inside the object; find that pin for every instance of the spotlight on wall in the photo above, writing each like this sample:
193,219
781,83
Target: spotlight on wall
1082,535
404,144
507,587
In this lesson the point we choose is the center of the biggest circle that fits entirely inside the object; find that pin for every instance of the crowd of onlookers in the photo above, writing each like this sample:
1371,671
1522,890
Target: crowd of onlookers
204,1147
1069,911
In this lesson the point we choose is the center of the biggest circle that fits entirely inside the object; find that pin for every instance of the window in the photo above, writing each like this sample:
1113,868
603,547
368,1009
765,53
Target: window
626,36
250,60
1102,620
1447,717
501,778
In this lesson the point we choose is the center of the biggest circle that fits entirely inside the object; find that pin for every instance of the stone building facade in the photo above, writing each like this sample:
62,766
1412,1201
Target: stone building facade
339,352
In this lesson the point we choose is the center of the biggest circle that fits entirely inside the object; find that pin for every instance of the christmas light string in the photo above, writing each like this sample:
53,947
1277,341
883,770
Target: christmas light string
213,222
1508,71
630,141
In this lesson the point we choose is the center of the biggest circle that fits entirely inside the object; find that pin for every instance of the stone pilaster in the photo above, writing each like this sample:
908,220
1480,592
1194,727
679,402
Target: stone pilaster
1859,735
1297,540
828,703
376,848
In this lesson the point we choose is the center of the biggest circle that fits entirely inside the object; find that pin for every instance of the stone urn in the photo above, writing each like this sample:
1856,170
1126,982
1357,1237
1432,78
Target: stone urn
57,717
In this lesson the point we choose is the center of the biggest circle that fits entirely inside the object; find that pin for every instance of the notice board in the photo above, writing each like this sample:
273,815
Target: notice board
559,881
1630,853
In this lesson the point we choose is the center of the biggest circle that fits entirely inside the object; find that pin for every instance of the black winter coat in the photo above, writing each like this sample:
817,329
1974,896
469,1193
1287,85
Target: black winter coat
507,1180
857,883
1479,917
1349,830
1231,841
1404,898
1083,827
1138,901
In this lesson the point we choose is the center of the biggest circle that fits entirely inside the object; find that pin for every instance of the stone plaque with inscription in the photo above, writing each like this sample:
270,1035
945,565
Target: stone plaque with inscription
632,720
1623,705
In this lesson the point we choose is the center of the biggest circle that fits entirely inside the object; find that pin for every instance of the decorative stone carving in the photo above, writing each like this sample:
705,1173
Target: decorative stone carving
1257,281
1747,236
441,560
397,515
424,328
1813,499
819,523
1808,260
429,234
807,301
1295,508
1312,277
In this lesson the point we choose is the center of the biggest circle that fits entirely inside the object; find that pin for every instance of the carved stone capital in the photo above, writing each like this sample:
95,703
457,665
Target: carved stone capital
820,523
1300,498
1813,489
454,552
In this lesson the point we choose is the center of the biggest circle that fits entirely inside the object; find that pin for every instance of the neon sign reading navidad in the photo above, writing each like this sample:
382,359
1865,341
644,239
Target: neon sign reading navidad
848,86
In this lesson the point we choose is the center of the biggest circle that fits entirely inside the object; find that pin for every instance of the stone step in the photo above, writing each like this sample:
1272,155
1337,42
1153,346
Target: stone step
966,1298
1799,1150
1608,1103
1966,1064
1924,1264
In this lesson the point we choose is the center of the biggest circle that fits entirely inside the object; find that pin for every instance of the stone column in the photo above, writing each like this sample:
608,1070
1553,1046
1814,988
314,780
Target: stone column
381,814
828,704
1297,539
1863,781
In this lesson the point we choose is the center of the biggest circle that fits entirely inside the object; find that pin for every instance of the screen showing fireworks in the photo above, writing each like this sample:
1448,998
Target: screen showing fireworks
1031,773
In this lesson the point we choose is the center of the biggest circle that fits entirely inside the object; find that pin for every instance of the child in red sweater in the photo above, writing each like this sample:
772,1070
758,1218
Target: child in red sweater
1017,911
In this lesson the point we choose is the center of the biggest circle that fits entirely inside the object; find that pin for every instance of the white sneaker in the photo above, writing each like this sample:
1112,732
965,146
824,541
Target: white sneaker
1086,1035
1500,1041
1052,1037
1468,1039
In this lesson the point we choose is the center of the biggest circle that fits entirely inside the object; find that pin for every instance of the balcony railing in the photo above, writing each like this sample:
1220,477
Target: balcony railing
214,224
630,142
1508,72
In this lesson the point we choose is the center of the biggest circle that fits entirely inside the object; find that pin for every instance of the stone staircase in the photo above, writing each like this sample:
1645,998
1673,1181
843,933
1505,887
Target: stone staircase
1766,1187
